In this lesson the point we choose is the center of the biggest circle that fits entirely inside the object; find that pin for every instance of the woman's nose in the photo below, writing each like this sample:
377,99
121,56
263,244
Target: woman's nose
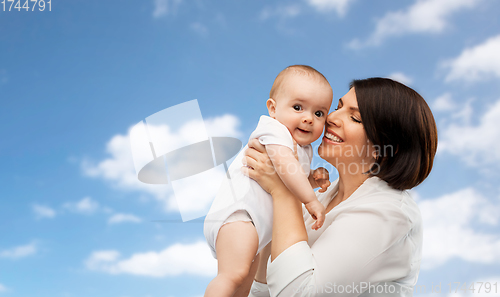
333,119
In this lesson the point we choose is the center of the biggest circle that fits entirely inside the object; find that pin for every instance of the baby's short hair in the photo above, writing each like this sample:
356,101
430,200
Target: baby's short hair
303,70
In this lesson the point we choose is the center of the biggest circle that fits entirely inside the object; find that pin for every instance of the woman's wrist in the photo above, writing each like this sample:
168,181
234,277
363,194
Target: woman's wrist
288,223
280,190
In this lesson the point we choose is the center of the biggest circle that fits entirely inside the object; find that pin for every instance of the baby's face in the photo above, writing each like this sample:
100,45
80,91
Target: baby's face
303,106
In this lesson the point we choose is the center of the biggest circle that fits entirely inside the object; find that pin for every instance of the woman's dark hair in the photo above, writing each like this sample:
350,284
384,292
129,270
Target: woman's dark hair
400,124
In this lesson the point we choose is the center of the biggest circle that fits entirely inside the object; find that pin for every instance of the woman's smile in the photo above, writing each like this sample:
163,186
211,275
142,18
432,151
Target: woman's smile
331,136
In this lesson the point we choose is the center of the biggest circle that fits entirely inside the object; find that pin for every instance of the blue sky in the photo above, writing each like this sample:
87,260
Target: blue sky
75,222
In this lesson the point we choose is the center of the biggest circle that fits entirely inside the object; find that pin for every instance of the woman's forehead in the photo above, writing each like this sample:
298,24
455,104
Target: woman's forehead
349,99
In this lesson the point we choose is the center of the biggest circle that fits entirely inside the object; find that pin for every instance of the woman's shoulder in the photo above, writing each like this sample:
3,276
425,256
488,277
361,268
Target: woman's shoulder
377,198
379,191
395,204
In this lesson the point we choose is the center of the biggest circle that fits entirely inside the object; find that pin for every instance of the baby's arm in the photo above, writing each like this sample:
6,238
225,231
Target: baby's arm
292,175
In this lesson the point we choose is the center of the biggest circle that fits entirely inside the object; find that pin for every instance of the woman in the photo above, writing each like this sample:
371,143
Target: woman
382,139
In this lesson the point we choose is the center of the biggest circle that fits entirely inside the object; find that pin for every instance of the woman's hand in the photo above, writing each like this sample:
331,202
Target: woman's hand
260,168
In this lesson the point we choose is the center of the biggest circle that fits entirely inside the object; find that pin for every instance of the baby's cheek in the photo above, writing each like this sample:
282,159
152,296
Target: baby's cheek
320,129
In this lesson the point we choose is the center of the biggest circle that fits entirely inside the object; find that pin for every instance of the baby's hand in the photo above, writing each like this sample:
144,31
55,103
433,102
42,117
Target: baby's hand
322,178
317,211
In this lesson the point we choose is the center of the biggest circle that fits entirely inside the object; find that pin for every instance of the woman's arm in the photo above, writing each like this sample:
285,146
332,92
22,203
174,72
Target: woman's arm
288,223
260,275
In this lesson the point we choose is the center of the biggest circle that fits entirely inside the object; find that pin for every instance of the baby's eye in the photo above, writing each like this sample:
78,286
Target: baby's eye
297,107
319,114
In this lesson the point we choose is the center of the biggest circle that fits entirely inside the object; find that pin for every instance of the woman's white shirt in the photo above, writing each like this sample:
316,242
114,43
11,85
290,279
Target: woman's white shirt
373,237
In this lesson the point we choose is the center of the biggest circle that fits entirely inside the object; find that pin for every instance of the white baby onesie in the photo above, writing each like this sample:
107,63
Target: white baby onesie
240,192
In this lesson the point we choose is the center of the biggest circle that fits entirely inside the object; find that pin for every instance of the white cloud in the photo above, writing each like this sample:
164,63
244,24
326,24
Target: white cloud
119,169
199,28
160,8
223,126
84,206
476,63
42,211
177,259
443,103
195,201
123,218
448,229
281,12
475,144
340,6
100,258
3,288
424,16
165,7
401,77
19,251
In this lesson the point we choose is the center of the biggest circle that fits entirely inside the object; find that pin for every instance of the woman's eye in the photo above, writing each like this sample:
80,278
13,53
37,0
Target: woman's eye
356,120
297,107
319,114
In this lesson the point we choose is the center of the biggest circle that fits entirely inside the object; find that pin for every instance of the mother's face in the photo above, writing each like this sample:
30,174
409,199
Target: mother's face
345,140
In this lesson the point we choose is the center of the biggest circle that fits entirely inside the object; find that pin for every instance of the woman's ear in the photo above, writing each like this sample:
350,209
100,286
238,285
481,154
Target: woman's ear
375,154
271,107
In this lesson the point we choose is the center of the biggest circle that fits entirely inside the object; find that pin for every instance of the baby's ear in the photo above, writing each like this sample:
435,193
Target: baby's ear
271,107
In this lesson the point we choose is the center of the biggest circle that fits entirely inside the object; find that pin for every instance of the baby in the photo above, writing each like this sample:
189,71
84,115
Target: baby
240,220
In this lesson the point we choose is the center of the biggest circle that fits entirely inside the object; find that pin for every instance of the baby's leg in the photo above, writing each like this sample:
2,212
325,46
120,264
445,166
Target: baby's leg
244,289
236,246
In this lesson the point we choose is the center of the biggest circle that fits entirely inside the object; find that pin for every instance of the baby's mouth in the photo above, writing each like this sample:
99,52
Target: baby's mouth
303,131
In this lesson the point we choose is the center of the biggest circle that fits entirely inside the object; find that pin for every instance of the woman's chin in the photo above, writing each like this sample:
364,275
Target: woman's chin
326,150
332,155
